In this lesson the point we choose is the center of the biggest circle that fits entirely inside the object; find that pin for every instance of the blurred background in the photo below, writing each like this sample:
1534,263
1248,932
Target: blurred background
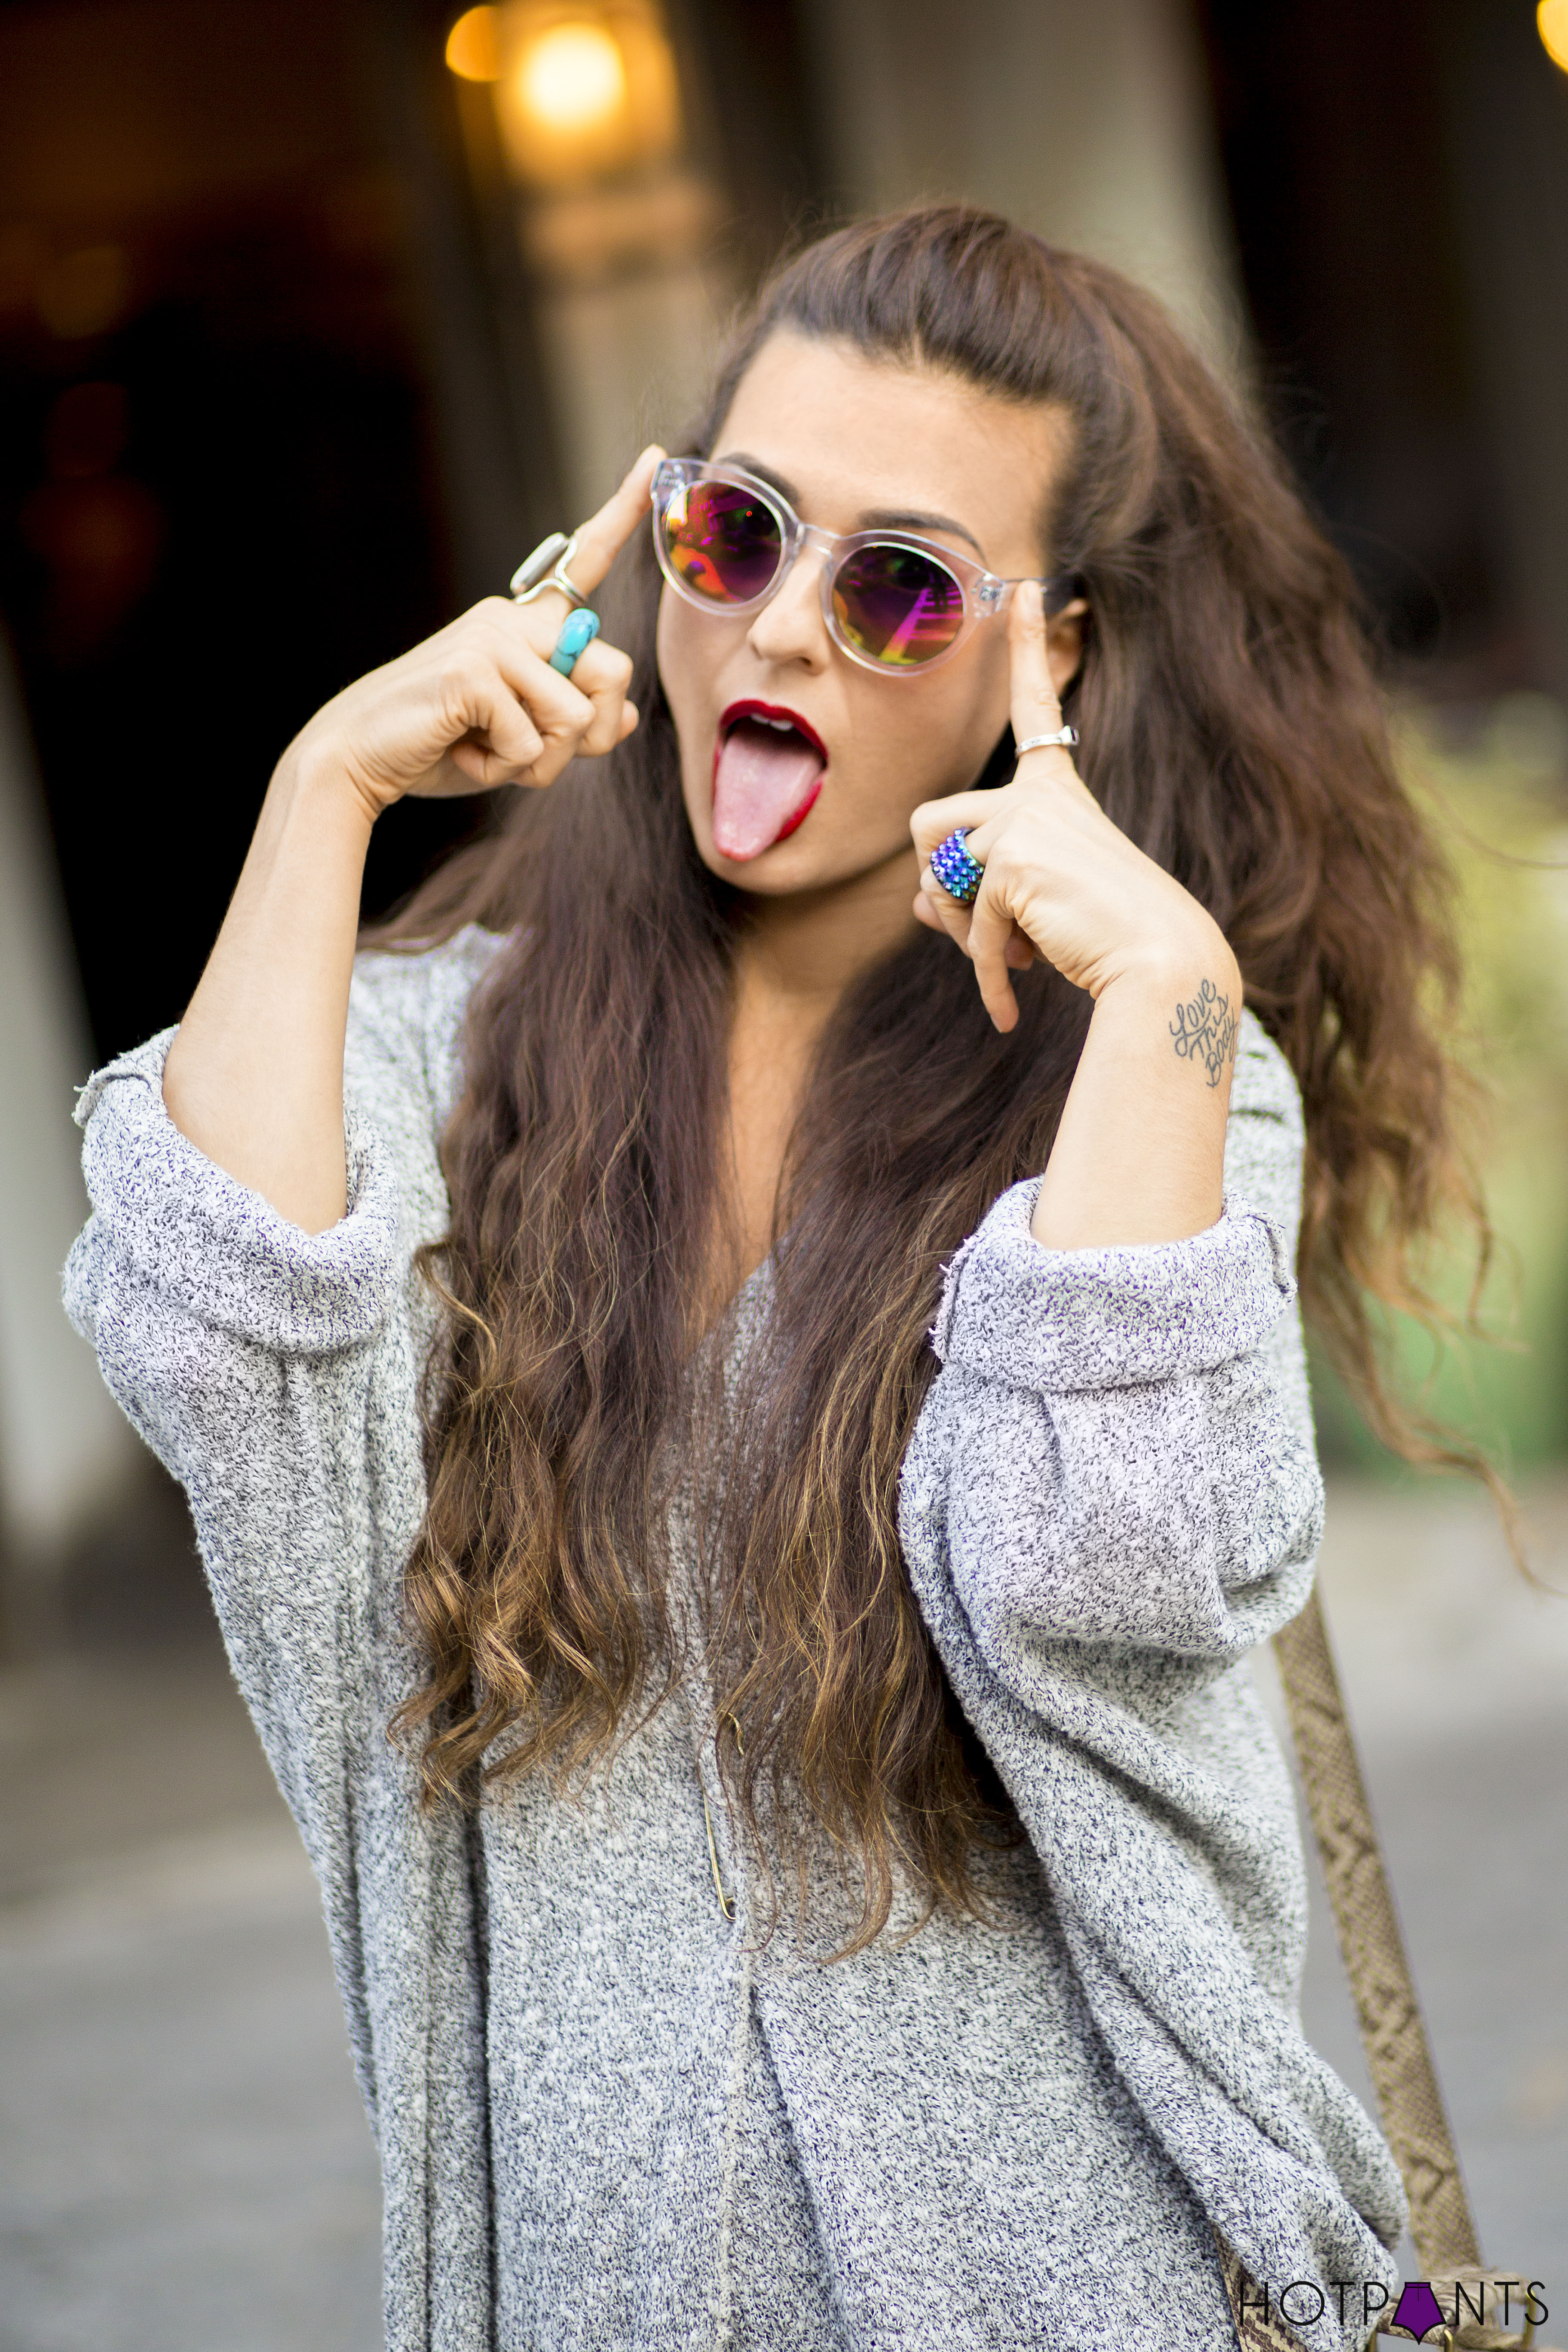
314,316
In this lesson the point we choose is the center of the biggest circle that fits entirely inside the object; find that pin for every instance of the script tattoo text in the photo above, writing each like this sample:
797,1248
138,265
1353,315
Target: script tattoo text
1204,1031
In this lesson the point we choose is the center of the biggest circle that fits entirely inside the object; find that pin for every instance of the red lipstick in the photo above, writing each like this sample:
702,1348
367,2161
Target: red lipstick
775,713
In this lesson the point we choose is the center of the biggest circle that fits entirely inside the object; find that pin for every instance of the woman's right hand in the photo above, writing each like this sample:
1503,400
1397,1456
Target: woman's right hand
255,1077
478,705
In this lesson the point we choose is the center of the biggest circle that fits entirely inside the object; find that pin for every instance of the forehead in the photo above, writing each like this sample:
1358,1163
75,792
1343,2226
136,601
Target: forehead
854,433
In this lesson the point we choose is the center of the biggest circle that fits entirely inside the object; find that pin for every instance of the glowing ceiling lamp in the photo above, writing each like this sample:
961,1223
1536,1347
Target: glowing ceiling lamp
585,89
1552,22
570,80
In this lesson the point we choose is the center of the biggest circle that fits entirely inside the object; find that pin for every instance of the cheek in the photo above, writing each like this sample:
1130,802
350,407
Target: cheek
691,651
673,657
683,649
934,735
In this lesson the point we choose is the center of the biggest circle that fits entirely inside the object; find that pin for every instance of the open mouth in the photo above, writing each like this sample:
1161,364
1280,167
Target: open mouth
768,767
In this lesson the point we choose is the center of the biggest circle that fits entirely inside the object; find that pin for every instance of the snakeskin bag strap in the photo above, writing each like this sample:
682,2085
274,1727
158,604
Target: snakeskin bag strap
1259,2326
1398,2056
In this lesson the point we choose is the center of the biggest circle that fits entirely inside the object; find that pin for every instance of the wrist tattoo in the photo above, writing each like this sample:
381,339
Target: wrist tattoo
1205,1031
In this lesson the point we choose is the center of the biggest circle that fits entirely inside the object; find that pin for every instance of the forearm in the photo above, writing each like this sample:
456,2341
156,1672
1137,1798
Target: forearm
1139,1153
255,1077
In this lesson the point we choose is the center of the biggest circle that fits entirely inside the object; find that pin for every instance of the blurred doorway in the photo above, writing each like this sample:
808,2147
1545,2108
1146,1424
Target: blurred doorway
219,450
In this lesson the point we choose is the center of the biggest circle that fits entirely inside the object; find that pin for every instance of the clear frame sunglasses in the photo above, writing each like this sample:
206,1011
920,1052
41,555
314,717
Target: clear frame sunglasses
893,601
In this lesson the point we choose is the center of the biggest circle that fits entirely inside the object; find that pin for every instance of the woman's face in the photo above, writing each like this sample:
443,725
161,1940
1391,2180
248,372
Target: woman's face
855,442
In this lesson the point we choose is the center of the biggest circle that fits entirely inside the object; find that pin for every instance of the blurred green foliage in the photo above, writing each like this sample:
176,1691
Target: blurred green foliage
1496,790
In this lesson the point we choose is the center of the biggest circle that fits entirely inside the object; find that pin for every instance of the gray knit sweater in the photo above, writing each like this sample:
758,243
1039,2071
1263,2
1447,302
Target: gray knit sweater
610,2113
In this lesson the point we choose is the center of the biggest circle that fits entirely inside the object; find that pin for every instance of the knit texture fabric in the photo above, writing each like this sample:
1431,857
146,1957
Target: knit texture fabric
610,2112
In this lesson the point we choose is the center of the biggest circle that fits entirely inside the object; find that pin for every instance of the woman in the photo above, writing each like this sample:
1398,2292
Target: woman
744,1429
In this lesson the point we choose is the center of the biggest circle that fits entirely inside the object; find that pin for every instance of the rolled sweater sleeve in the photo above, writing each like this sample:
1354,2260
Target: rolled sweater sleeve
1120,1466
277,1373
1110,1498
169,1223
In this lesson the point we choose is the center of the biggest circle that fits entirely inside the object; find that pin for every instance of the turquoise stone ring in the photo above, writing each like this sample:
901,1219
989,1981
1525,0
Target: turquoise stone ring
578,631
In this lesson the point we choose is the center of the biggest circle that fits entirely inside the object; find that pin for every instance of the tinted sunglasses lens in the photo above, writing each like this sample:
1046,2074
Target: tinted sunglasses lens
721,542
897,606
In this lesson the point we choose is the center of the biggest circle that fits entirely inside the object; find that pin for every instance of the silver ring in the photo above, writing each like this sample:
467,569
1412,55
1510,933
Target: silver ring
546,567
1065,735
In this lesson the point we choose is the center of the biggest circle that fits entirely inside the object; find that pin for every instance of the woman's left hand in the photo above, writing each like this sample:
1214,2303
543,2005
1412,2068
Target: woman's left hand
1060,879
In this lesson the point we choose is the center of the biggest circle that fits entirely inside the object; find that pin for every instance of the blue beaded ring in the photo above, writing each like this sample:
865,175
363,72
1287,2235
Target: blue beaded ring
958,872
578,631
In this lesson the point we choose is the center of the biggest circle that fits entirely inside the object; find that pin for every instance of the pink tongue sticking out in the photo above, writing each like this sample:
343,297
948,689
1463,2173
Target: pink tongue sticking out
765,781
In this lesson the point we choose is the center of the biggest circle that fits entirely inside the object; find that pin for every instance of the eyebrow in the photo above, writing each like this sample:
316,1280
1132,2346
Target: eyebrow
873,519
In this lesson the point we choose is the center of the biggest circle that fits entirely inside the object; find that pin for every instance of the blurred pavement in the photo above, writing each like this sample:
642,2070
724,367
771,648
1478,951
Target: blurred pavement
186,2165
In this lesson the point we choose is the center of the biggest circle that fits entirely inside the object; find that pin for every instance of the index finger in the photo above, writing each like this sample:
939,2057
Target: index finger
1036,710
601,540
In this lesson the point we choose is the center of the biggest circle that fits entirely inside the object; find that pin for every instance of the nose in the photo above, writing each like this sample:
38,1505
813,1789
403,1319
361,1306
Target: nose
790,628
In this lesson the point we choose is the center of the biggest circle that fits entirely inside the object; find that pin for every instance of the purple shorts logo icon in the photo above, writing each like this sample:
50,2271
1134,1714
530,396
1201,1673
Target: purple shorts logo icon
1418,2309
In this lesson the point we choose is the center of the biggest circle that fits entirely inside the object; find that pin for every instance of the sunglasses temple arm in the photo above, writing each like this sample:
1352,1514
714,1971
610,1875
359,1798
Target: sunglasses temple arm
1059,591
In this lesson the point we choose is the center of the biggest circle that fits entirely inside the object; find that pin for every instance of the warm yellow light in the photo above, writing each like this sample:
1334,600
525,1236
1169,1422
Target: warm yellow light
473,45
572,80
1551,20
588,90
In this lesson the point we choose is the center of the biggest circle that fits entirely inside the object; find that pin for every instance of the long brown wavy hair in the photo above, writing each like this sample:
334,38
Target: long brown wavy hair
1231,726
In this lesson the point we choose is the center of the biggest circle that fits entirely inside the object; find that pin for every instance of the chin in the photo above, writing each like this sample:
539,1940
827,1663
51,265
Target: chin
798,868
773,873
